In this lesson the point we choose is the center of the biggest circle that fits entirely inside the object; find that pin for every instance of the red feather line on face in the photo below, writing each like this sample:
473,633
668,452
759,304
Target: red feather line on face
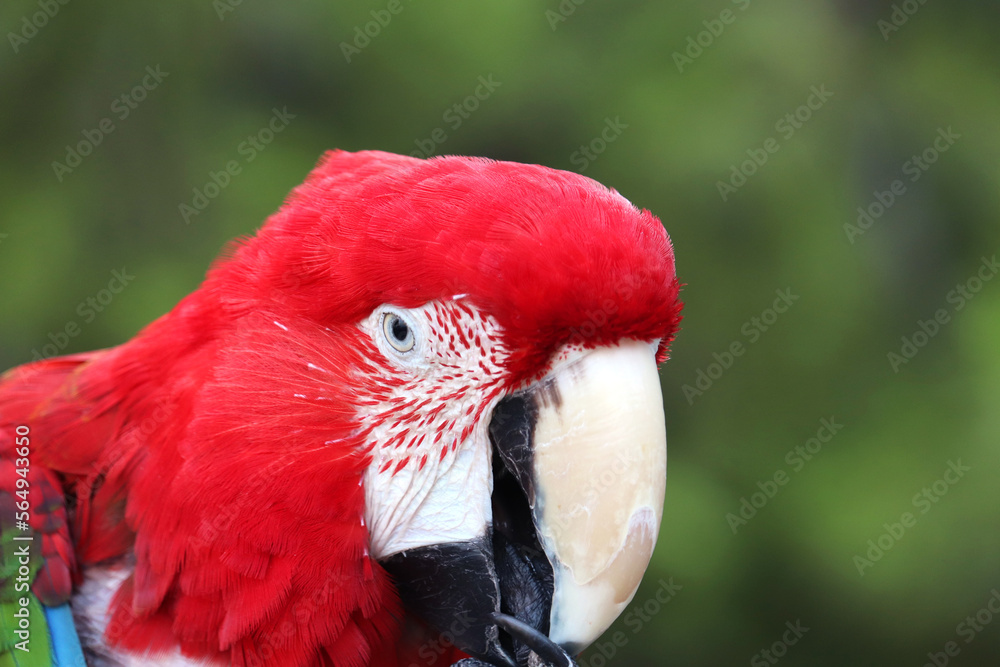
226,444
457,382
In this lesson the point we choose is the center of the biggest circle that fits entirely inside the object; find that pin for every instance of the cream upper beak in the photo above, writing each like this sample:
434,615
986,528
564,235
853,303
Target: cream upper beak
600,457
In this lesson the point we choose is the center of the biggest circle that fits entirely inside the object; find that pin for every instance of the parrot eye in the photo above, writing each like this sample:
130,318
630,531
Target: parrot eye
397,332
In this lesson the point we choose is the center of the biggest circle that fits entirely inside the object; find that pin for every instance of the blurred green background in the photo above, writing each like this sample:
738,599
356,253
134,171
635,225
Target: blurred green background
685,95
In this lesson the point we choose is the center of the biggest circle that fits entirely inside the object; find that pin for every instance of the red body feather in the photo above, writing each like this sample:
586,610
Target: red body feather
222,444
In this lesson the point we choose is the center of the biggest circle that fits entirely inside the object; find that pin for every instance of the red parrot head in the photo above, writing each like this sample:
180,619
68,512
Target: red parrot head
480,339
504,323
425,394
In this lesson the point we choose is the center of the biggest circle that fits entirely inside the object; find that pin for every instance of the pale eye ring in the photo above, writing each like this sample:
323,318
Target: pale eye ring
398,333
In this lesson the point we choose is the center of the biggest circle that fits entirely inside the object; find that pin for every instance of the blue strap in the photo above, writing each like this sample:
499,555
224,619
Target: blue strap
66,651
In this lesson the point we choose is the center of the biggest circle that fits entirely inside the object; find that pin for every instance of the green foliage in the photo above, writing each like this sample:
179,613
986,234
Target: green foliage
39,653
789,226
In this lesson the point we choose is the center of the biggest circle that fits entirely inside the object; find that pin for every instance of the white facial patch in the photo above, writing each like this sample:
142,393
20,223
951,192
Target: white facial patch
430,477
446,501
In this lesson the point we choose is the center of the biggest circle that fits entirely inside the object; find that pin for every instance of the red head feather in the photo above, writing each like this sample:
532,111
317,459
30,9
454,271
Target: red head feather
554,257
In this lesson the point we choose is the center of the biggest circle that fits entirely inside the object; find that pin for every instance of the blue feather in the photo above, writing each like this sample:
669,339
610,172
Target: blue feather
66,651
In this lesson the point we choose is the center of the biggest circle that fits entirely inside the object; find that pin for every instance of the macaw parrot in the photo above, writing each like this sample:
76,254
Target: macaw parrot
415,420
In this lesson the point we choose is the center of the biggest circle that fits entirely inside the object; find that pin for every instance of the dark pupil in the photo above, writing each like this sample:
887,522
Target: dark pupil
399,329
